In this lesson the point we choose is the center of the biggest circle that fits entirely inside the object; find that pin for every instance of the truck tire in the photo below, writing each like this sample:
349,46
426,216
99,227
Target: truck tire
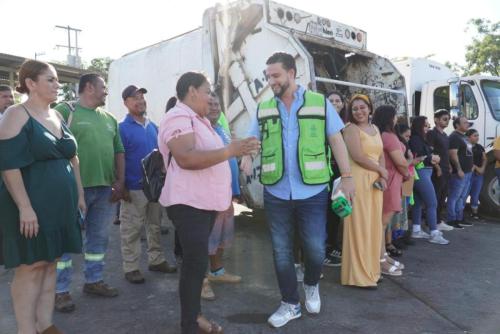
490,193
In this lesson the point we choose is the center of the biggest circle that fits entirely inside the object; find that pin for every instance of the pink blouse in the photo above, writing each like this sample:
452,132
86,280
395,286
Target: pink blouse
205,189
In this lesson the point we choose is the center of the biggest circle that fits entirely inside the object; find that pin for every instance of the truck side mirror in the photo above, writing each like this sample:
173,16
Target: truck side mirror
454,94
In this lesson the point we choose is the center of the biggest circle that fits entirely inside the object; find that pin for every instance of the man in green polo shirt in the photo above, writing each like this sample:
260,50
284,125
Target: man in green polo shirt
102,166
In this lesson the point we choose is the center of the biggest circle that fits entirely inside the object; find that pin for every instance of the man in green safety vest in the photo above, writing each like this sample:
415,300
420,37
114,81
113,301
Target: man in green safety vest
297,129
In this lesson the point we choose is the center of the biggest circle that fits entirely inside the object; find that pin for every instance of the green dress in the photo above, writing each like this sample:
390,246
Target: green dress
43,160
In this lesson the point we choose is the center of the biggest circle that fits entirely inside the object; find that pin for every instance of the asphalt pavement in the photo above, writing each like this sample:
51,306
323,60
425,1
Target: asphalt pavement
444,290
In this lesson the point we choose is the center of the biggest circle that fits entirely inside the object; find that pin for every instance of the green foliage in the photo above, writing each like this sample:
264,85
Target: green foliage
455,67
483,55
67,92
100,65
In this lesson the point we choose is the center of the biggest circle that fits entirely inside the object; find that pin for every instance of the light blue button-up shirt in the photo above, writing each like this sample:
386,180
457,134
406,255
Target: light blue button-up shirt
291,185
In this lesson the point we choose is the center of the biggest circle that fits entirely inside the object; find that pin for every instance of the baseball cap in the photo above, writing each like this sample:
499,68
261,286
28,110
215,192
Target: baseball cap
132,90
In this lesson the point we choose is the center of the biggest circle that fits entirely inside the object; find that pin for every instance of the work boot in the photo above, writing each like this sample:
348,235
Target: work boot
64,303
163,267
134,277
100,289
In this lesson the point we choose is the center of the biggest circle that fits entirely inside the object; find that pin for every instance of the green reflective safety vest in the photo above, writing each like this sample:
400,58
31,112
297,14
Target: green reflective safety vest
312,149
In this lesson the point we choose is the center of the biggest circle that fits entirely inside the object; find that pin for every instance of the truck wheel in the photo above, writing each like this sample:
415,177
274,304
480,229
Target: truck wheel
490,194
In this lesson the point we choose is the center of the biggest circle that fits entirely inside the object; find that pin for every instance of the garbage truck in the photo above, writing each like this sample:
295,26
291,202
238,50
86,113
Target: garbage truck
231,47
431,86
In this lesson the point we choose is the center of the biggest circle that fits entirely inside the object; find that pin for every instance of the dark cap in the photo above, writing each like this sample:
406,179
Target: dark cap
131,91
441,112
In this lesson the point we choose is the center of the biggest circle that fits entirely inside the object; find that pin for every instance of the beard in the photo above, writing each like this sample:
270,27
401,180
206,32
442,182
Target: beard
281,89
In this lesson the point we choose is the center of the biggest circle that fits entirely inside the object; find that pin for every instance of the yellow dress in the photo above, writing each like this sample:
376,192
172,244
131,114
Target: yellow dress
363,228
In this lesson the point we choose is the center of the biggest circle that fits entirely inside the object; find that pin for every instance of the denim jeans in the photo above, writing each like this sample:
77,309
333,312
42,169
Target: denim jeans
476,184
100,214
309,216
457,195
424,194
193,227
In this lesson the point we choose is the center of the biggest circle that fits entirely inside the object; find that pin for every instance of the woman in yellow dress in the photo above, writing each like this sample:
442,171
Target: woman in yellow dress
363,228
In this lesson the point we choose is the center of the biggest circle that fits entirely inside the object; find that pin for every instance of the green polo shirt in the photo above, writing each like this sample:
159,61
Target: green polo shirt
96,132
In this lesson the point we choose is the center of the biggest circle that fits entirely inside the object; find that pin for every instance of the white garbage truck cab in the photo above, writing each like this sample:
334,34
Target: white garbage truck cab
431,86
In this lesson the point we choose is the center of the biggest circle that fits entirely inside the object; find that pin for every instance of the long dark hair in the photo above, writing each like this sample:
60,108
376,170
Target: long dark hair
383,118
417,126
401,128
342,112
188,79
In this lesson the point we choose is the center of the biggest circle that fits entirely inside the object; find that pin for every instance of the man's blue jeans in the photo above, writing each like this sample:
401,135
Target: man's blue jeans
309,216
457,195
424,194
100,215
476,184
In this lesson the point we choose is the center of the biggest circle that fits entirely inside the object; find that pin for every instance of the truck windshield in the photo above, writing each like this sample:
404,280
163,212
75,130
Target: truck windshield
491,90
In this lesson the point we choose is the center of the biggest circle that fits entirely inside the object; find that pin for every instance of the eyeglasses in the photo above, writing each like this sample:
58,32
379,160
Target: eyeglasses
427,125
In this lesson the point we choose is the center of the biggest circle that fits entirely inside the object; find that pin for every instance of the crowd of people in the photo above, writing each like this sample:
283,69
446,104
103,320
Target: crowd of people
65,168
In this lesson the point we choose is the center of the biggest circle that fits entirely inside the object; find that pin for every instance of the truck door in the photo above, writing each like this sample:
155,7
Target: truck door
472,106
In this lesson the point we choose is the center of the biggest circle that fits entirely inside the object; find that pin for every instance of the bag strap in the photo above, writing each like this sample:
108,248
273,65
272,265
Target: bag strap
71,106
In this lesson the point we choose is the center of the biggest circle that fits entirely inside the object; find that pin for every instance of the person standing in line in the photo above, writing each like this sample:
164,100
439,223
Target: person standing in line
333,256
423,189
102,162
222,234
462,162
440,143
479,166
295,173
40,198
385,119
361,261
139,137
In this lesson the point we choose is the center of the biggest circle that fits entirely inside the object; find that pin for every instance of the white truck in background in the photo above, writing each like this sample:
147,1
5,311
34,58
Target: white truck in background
431,86
232,47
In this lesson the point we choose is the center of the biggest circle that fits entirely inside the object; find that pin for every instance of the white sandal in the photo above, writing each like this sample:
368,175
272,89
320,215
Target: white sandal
395,263
393,270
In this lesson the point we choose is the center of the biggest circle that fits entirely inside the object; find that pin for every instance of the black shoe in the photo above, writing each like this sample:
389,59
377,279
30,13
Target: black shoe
332,261
465,223
407,239
399,243
455,224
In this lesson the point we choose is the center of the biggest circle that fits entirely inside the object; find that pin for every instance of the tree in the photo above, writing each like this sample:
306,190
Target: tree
483,55
455,67
100,65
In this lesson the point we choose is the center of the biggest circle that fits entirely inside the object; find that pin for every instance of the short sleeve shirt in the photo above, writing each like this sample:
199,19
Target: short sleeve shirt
205,189
440,144
96,132
477,154
459,142
391,143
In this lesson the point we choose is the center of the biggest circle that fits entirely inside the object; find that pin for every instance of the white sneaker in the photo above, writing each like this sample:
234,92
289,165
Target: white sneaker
284,314
437,238
444,227
420,235
313,302
299,272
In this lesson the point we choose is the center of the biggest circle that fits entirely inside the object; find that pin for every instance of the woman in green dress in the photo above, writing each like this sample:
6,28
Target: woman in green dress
40,197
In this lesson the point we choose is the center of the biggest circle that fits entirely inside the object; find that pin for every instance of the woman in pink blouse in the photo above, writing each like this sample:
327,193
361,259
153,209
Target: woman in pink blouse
198,184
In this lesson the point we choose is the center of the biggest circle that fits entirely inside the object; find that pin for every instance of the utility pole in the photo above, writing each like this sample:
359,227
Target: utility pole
72,59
